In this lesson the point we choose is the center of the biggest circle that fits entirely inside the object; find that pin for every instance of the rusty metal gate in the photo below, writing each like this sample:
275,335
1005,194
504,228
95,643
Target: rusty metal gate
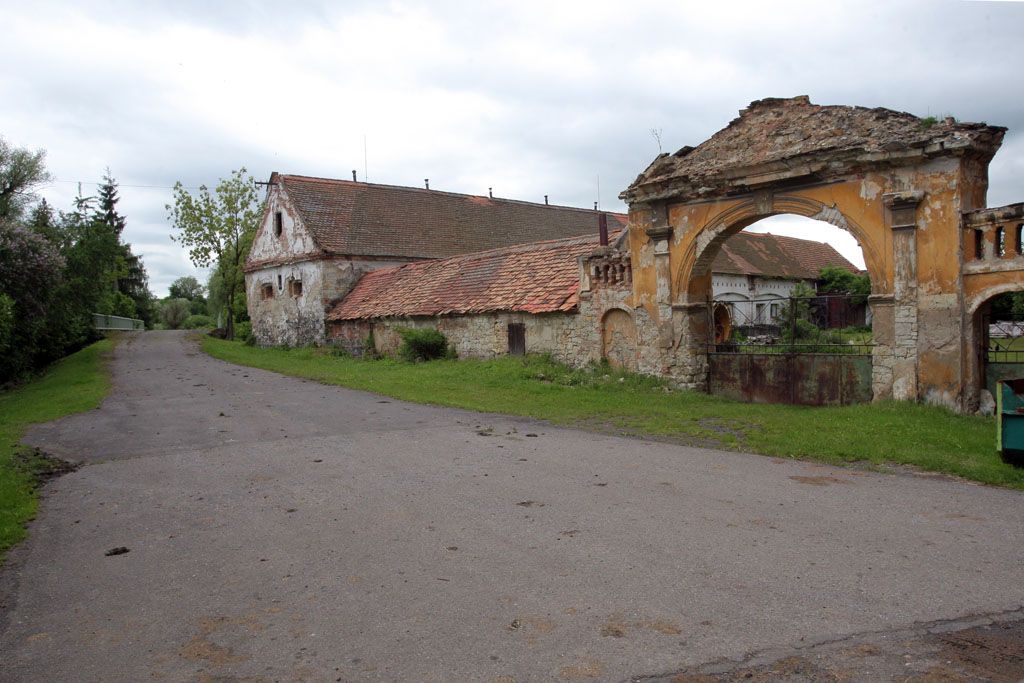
1002,348
812,350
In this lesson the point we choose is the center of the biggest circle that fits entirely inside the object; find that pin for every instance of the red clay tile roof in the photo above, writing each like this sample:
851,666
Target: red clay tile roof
541,277
751,253
780,137
364,219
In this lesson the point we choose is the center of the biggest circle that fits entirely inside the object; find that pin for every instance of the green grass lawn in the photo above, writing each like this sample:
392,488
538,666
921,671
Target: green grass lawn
72,385
928,438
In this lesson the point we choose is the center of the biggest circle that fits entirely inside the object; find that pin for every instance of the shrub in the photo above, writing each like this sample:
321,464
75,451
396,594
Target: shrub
243,331
338,351
174,312
195,322
422,345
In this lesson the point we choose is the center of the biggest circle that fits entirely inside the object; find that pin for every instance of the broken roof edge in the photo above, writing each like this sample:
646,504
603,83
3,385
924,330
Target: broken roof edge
667,178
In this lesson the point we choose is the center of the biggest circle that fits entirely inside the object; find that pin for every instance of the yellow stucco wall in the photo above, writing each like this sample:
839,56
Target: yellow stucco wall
919,267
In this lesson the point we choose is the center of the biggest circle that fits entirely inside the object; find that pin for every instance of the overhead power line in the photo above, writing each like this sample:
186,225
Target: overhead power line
149,187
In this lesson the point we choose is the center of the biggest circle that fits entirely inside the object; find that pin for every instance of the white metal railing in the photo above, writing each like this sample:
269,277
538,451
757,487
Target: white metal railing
102,321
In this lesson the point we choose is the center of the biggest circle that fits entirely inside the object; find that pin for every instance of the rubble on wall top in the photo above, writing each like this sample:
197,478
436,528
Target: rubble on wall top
776,139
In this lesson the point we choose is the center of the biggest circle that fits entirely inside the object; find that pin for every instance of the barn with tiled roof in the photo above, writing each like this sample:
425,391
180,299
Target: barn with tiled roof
481,301
320,235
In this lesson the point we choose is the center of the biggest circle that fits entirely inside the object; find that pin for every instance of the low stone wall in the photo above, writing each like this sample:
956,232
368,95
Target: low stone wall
566,336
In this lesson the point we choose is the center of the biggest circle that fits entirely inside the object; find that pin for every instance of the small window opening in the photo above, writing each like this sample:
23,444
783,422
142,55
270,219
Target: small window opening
295,287
1020,238
267,291
279,285
278,224
979,245
1000,242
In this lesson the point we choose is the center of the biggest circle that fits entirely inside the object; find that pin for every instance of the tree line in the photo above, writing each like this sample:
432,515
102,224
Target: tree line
57,268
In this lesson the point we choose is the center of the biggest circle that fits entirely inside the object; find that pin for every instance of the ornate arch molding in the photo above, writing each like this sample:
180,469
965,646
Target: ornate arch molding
702,251
978,300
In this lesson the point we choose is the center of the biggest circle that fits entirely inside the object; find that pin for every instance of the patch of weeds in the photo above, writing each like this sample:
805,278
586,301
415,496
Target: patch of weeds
338,351
596,374
39,467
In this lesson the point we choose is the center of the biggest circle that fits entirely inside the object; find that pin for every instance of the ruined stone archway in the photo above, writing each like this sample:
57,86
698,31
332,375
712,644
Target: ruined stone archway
694,266
901,185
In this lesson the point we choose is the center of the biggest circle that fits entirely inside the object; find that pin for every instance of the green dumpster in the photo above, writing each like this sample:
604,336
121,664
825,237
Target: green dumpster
1010,416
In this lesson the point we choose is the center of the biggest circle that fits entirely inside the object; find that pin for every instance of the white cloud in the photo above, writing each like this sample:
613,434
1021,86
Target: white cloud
530,98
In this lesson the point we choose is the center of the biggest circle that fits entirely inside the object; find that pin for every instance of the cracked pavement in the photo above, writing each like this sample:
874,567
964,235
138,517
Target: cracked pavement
279,529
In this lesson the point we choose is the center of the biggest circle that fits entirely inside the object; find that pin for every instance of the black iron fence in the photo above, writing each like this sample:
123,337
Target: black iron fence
828,324
1005,341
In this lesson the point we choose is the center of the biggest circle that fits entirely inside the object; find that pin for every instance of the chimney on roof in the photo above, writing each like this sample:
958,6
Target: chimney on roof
602,228
490,192
426,181
545,200
595,206
354,175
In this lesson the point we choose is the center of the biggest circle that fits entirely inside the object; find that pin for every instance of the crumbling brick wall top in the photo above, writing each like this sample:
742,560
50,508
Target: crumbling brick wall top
775,140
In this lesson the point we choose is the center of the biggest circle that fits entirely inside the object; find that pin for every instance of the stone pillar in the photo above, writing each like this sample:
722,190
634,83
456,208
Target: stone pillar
882,353
690,368
903,221
660,232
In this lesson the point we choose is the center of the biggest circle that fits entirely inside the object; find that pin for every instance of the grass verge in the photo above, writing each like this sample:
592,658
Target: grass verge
881,434
73,385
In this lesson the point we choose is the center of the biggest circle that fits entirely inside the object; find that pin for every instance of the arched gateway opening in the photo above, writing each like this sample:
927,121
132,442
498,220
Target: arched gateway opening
998,325
790,315
907,189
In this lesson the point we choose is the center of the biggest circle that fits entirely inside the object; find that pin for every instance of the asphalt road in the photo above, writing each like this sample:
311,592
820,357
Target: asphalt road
279,529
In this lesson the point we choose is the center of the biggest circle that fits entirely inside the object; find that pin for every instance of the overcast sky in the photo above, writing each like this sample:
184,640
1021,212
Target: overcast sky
530,98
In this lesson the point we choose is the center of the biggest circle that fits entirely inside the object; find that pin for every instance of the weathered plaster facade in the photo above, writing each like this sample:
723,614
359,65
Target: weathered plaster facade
284,252
326,234
901,189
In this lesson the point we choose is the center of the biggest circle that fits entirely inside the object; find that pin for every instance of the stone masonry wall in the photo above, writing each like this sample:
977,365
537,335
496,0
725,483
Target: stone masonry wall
566,336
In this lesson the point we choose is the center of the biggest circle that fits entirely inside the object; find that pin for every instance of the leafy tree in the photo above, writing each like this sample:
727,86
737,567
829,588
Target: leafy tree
132,281
56,270
21,171
89,285
43,221
1009,306
836,280
217,300
30,267
174,312
218,228
186,287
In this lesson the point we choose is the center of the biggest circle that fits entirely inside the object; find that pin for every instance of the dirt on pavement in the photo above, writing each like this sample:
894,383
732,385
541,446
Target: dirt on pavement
279,529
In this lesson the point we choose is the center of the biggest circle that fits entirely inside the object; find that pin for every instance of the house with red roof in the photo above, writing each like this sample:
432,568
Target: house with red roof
319,236
754,273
